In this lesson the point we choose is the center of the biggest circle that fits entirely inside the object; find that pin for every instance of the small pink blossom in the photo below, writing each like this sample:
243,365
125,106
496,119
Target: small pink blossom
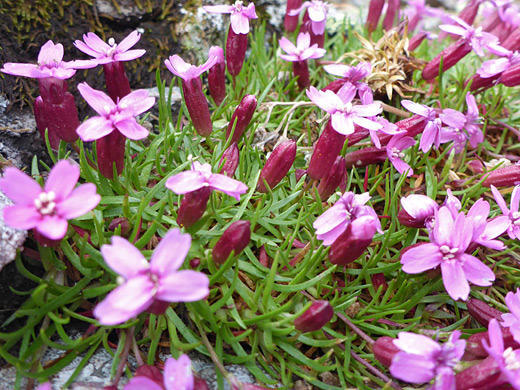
476,38
240,15
186,71
343,113
317,10
105,53
351,73
512,320
395,148
177,376
143,282
496,66
200,176
485,231
112,116
50,64
513,229
48,209
303,49
432,132
421,209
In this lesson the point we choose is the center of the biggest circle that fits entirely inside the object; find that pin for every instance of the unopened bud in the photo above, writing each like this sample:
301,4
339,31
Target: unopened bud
479,376
277,165
236,47
230,159
336,176
62,118
199,383
263,258
41,122
116,81
241,117
392,10
301,70
197,106
291,22
158,307
217,75
235,238
482,312
374,13
474,342
194,263
353,242
315,317
451,55
385,350
511,77
326,150
193,206
416,40
364,157
150,372
379,280
475,166
120,221
508,176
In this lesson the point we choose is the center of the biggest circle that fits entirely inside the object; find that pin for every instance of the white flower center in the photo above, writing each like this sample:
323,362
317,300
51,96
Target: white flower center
238,6
112,43
347,107
396,153
448,253
512,363
45,203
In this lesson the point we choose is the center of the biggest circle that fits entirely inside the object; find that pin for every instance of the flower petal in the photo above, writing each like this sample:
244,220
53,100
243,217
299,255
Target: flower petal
178,374
131,129
412,368
128,42
416,344
50,53
24,70
183,286
137,102
95,128
82,200
98,100
454,280
53,227
19,187
142,382
21,216
124,258
239,23
476,271
421,258
129,55
227,185
170,253
185,182
62,179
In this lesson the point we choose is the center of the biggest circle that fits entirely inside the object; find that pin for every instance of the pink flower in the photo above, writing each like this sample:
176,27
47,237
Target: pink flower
507,360
317,10
45,386
177,376
421,209
114,116
50,64
496,66
240,15
186,71
343,113
351,73
395,148
476,38
512,320
513,230
48,209
143,282
200,176
450,238
303,49
423,359
432,132
484,231
105,53
333,222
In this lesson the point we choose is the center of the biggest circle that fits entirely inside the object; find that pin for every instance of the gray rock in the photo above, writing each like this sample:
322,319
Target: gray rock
10,239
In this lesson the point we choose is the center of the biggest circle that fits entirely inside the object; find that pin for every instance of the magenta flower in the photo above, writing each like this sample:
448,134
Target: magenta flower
496,66
186,71
423,359
303,49
419,211
335,220
351,73
45,386
508,360
317,10
144,283
432,132
177,376
112,116
240,15
200,176
343,113
476,38
513,230
395,148
48,209
450,238
105,53
512,320
484,231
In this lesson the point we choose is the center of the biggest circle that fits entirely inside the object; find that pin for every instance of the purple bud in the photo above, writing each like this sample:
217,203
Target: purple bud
470,11
194,263
41,122
416,40
391,11
197,105
120,221
315,317
365,156
62,118
217,76
511,77
230,159
235,238
353,242
512,42
385,350
374,13
116,81
479,83
236,47
482,312
451,55
199,383
291,22
301,70
158,307
379,280
337,175
242,116
479,376
326,150
44,241
299,173
110,149
193,206
503,177
475,166
150,372
407,220
263,258
277,165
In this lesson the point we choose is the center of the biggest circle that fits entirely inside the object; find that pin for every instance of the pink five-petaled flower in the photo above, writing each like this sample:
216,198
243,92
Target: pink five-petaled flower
512,320
476,38
432,132
317,10
484,231
423,359
105,53
450,238
513,230
147,282
343,113
508,360
351,73
186,71
240,15
48,209
418,211
112,116
200,176
335,220
395,148
303,49
177,376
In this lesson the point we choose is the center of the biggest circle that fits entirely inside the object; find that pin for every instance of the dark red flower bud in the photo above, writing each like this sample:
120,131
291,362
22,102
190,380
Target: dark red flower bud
63,118
512,42
236,47
241,117
475,166
365,156
470,11
150,372
326,150
315,317
193,206
416,40
503,177
235,238
482,312
374,13
158,307
479,83
199,383
451,55
291,22
385,350
197,106
392,10
194,263
336,176
217,76
480,376
116,81
41,122
379,280
277,165
353,242
336,85
263,258
229,160
474,342
299,173
511,77
301,70
120,221
407,220
110,149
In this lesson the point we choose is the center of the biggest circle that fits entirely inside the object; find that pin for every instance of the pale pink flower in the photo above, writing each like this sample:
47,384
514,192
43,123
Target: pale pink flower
513,230
421,208
351,73
485,231
432,132
143,282
395,148
186,71
496,66
317,10
476,38
45,386
119,117
48,209
200,176
105,53
177,376
303,49
343,113
240,15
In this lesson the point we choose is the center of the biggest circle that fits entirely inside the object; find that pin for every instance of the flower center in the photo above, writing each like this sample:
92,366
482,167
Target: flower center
515,218
110,52
238,6
510,359
45,203
347,107
396,153
447,252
